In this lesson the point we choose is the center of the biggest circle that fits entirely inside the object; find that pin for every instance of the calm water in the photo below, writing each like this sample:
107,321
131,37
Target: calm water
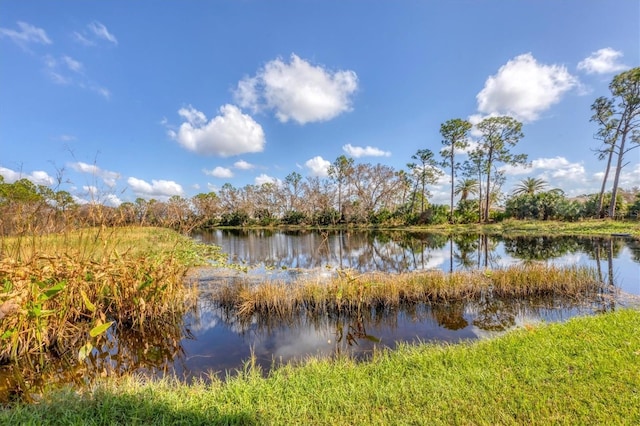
212,341
220,341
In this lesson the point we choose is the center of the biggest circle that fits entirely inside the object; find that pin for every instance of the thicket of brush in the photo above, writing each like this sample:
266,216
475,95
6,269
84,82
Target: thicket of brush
60,291
349,293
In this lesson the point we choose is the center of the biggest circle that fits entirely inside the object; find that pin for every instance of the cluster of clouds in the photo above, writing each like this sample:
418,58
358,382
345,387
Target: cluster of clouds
524,88
300,92
295,91
63,69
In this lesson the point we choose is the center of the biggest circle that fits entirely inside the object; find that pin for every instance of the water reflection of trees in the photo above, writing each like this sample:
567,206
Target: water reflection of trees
540,248
401,251
152,349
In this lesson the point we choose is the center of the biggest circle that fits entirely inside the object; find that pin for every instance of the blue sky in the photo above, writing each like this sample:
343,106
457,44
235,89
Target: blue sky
153,99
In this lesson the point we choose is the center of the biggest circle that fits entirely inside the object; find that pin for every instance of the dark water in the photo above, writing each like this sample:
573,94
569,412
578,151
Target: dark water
210,340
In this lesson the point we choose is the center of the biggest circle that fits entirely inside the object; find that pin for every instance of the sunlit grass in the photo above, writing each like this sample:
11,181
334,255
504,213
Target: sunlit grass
585,371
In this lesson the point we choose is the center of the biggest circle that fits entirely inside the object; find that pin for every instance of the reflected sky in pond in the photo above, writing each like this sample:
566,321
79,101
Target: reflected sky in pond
285,254
221,341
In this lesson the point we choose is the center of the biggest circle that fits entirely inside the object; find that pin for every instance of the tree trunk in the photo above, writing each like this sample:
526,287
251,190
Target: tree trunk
452,184
487,195
604,184
614,191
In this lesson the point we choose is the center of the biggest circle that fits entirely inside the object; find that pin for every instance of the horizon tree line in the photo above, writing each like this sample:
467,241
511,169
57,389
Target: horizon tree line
358,193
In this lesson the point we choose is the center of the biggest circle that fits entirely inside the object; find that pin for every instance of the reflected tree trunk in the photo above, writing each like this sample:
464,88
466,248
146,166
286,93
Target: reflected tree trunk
597,256
610,261
450,253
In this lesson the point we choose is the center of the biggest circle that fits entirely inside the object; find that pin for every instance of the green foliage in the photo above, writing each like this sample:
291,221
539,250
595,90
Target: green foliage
541,205
234,218
466,212
326,217
294,217
591,205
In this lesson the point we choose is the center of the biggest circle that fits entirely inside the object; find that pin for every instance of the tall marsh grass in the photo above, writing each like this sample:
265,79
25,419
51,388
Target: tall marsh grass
348,293
58,291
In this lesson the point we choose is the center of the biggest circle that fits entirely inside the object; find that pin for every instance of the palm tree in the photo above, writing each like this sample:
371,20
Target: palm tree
529,186
466,187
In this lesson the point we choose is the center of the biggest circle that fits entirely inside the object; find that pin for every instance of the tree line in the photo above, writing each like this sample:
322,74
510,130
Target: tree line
375,194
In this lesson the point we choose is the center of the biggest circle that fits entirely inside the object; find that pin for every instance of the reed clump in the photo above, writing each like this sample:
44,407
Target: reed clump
55,288
348,293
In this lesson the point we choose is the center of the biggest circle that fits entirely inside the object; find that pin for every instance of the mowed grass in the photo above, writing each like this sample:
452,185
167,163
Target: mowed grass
584,371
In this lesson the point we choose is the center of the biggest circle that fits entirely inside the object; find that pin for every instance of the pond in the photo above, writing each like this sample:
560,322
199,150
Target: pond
221,341
212,340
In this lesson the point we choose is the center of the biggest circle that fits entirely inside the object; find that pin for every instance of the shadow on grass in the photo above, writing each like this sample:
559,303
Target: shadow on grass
107,408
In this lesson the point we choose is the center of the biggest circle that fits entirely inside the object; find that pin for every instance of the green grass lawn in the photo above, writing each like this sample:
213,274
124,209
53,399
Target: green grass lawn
585,371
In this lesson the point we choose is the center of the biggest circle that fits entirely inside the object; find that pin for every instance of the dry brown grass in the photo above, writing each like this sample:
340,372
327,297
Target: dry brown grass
54,289
348,293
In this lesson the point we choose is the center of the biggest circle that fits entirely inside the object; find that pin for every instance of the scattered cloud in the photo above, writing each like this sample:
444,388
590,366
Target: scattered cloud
160,189
230,133
102,91
318,166
25,35
524,89
263,178
368,151
630,177
66,70
108,177
38,177
553,167
602,61
94,32
72,64
82,39
66,138
92,195
219,172
243,165
101,32
298,91
558,172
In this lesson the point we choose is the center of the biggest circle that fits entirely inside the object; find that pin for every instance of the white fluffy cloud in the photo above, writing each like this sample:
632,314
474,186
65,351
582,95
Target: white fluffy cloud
219,172
230,133
243,165
263,178
318,166
523,88
368,151
38,177
91,195
298,91
602,61
27,33
160,189
556,167
107,176
558,172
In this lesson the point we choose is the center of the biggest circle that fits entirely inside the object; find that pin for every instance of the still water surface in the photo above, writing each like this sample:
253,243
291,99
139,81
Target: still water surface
220,341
